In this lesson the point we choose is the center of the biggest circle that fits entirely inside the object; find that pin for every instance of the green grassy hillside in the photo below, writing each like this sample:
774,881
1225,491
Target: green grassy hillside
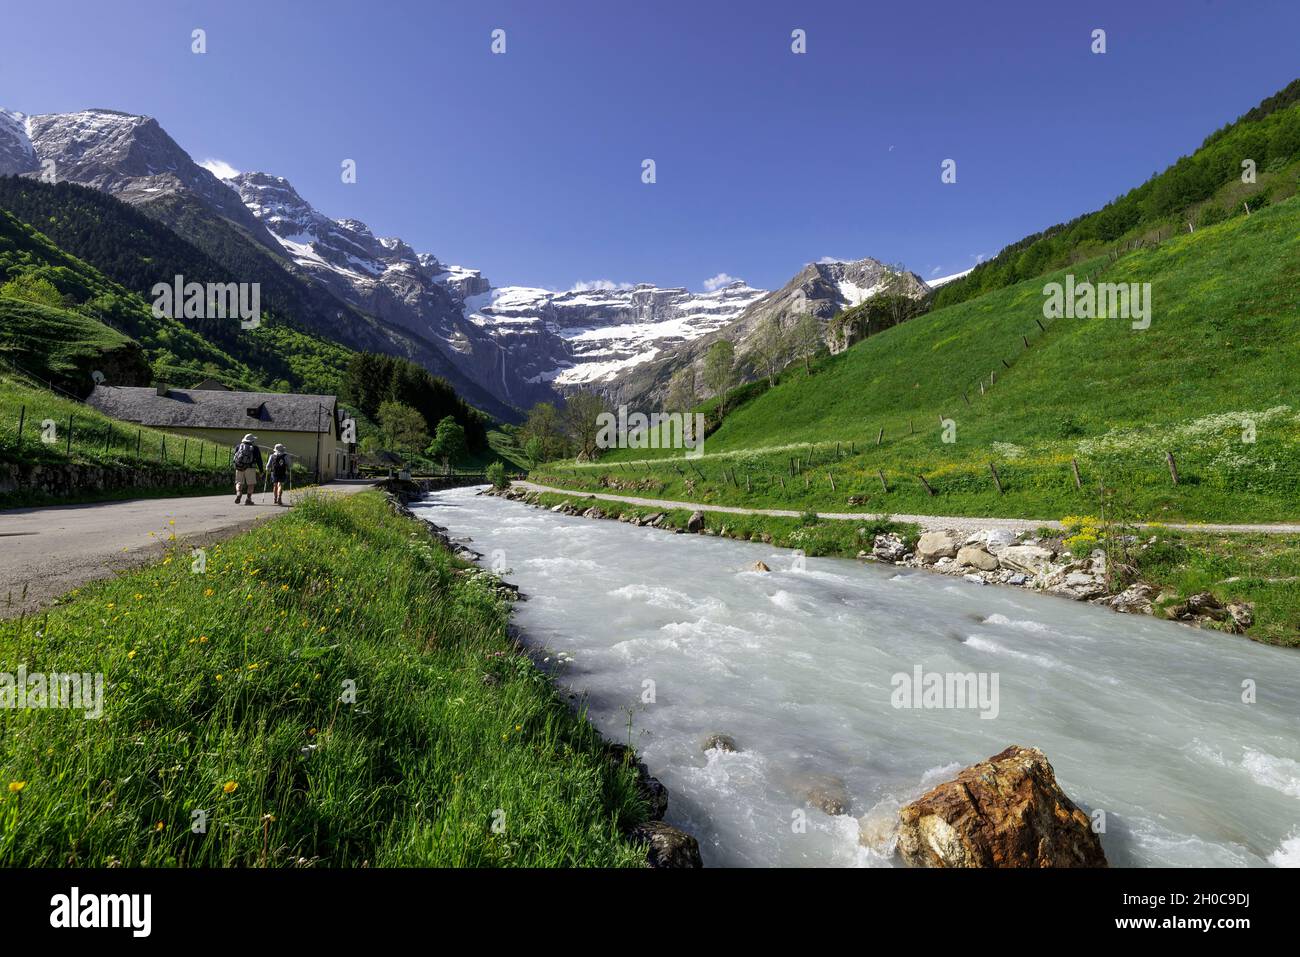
1212,381
1202,188
273,354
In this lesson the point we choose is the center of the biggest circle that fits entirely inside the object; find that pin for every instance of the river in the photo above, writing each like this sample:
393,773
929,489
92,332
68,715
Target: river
674,637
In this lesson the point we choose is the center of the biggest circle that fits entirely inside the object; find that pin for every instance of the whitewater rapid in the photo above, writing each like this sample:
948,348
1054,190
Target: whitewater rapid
673,637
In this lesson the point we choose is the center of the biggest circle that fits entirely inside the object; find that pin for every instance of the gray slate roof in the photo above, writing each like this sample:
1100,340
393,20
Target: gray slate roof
213,409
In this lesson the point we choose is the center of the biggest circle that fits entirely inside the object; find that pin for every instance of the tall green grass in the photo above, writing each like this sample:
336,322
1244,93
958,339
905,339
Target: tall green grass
227,693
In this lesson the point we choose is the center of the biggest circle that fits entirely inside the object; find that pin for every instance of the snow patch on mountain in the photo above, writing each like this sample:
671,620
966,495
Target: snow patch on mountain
17,155
944,280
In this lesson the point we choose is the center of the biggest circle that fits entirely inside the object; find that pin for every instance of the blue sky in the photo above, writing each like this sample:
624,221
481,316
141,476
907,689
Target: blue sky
528,164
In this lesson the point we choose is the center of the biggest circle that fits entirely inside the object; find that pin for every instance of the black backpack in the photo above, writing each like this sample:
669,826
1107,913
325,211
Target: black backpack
245,455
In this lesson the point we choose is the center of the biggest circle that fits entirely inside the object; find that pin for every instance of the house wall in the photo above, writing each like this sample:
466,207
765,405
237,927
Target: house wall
302,446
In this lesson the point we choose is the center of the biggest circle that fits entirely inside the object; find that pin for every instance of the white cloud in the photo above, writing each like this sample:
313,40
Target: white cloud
219,168
600,285
715,283
832,259
935,271
978,257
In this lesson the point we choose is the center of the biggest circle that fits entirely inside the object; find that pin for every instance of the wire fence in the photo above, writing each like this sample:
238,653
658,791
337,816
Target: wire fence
35,429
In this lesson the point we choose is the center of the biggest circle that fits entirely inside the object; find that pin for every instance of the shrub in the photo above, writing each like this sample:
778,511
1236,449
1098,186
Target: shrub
496,474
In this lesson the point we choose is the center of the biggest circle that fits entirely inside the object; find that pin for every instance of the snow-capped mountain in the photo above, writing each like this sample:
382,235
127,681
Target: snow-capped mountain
383,276
587,337
821,288
132,158
520,342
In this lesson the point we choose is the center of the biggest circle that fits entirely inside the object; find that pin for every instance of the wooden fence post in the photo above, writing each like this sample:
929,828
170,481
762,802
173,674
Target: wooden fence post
1078,482
832,480
928,490
68,451
1173,468
22,417
996,481
880,436
883,483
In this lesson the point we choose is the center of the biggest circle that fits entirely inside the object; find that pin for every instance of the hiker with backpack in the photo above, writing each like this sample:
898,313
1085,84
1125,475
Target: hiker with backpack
277,466
247,459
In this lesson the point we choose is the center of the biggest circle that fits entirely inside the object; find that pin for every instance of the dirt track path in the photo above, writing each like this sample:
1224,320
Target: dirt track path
48,551
961,523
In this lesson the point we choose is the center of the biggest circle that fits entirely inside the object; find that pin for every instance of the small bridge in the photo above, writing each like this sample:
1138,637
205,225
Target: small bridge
429,481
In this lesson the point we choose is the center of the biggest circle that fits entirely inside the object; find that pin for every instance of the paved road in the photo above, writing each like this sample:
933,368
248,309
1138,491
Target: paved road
927,522
46,552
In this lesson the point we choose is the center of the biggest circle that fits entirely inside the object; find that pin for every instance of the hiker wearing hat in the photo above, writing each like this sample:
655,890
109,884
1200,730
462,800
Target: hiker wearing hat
247,459
277,463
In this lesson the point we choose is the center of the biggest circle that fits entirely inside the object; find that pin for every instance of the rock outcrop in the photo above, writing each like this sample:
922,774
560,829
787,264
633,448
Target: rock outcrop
1029,559
933,546
889,547
972,556
1007,811
666,846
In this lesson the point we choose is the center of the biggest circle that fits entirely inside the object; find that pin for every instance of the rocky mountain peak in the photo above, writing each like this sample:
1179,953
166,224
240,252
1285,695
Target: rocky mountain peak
17,154
133,158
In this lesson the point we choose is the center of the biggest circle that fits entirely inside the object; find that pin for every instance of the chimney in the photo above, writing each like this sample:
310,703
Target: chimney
161,389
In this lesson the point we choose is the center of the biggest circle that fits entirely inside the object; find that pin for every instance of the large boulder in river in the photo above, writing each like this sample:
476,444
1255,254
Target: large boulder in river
825,792
933,546
696,522
720,742
1007,811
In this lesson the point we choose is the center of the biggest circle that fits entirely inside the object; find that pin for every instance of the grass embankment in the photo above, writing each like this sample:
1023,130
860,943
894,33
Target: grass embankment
814,536
1263,570
224,693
